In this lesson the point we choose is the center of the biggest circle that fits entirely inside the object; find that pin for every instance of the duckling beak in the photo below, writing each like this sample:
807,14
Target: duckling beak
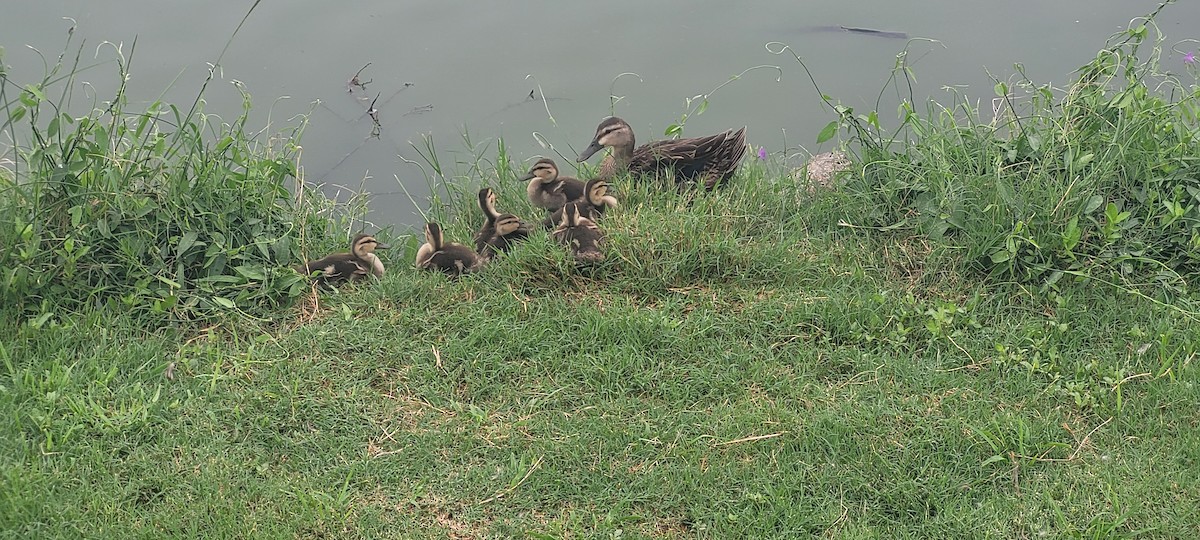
589,151
528,176
381,246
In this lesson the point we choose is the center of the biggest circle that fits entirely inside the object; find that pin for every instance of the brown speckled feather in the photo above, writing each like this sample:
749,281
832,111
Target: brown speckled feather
499,231
580,235
360,262
707,160
449,258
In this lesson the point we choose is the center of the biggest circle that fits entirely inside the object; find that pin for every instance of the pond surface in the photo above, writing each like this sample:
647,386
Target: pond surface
442,67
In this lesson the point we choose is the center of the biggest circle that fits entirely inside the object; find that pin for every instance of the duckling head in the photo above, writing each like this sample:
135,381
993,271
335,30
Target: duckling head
507,224
597,194
433,235
487,203
570,216
544,170
580,234
612,132
365,245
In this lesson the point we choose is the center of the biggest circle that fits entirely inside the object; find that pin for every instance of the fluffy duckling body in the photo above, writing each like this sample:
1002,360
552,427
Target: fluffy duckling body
706,160
580,235
592,205
500,231
357,264
549,190
450,258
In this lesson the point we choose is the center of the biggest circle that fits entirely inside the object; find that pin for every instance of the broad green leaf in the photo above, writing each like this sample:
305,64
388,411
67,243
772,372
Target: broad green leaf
1123,99
1055,276
251,272
1035,142
185,243
100,134
828,132
141,126
1005,191
221,279
1072,235
37,92
166,303
41,320
170,283
994,459
1111,213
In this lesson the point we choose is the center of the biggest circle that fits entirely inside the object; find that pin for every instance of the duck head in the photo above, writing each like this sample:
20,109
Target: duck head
507,224
544,170
570,216
433,235
597,194
612,132
487,203
364,245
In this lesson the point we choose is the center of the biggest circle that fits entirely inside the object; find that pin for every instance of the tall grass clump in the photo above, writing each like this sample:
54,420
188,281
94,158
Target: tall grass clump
661,239
167,211
1100,180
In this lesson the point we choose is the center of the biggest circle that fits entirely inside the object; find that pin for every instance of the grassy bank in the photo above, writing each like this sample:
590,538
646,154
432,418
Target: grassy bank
918,353
780,376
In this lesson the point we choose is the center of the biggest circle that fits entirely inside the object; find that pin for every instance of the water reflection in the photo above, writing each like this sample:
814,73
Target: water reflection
448,67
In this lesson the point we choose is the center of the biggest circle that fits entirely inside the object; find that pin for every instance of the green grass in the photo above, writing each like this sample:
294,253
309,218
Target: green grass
916,354
538,400
169,211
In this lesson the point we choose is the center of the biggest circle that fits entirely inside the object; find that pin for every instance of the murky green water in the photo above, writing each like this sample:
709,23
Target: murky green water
472,65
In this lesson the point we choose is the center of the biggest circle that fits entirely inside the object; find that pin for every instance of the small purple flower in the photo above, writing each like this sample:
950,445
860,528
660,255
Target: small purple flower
1189,58
762,153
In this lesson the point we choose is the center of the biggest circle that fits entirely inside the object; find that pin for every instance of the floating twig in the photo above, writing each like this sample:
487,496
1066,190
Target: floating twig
376,127
355,81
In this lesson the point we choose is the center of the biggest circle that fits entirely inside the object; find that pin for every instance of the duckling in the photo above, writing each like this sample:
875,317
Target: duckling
500,231
591,206
580,235
707,160
338,268
451,258
549,190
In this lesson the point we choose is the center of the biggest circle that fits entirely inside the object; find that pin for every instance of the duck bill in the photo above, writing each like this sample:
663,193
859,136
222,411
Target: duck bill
589,151
527,176
382,246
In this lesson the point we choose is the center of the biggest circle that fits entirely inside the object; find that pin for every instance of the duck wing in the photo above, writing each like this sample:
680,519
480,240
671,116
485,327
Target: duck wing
572,189
711,156
335,268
